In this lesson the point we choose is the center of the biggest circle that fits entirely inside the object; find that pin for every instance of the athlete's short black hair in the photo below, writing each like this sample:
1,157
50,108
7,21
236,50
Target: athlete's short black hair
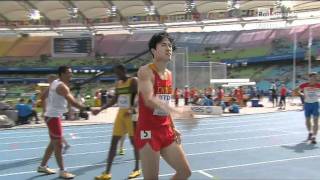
63,69
158,37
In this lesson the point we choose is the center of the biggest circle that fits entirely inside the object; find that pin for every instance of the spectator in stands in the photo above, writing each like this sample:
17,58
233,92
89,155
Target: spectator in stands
176,95
186,95
193,92
234,107
274,95
220,95
25,111
239,95
34,97
209,92
260,94
283,94
205,101
34,111
253,92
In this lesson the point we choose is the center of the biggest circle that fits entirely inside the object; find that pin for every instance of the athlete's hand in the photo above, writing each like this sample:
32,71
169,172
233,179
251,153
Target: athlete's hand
185,113
95,111
177,135
188,114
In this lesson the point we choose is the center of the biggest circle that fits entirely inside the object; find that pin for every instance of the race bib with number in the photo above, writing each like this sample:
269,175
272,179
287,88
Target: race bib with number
311,94
145,134
124,101
164,98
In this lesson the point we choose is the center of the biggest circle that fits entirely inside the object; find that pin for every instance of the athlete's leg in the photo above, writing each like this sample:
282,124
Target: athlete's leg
149,162
57,146
315,125
121,149
112,152
136,153
175,157
47,154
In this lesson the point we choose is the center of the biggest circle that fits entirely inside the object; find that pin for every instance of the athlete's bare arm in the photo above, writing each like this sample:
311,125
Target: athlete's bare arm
145,81
297,91
134,86
109,104
64,91
43,98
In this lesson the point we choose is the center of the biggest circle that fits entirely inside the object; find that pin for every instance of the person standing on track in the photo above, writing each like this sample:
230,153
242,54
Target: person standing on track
59,96
43,98
126,90
283,95
134,121
156,134
311,90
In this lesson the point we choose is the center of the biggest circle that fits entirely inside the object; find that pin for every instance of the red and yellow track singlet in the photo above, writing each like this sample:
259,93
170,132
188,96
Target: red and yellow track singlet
154,125
162,89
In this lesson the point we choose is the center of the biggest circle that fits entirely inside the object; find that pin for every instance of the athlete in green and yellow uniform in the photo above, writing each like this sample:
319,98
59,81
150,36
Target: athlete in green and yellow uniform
126,90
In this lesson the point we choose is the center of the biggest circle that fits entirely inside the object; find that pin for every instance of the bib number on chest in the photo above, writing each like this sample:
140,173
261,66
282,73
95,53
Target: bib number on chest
124,101
312,94
164,98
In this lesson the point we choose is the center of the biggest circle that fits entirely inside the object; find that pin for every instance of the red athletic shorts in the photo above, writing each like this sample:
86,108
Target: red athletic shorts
157,138
54,126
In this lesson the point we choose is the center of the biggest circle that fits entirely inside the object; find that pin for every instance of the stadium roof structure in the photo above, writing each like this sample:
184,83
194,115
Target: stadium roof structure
122,15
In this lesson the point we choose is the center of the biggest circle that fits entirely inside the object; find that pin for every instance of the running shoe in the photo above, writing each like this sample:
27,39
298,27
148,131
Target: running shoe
66,175
309,137
103,176
134,174
46,170
121,151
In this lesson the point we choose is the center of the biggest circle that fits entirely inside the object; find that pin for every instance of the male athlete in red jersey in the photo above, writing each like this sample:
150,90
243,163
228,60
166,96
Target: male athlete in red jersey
156,134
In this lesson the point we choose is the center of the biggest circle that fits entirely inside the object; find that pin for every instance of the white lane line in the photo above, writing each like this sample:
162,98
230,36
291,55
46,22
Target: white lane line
92,132
248,164
190,143
71,167
194,171
194,129
240,149
106,131
205,174
46,135
183,135
43,147
190,154
45,130
235,119
47,140
230,132
245,125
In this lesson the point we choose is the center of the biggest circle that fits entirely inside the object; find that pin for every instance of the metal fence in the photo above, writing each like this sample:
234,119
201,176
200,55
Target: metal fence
194,74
